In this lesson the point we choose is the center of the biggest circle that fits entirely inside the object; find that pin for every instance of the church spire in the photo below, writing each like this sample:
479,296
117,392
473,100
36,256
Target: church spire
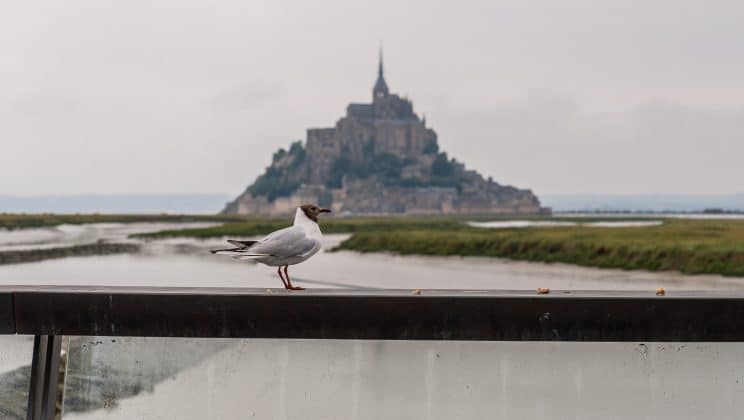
380,71
380,90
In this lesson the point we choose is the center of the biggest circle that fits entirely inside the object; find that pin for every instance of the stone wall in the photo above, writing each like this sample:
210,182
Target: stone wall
323,148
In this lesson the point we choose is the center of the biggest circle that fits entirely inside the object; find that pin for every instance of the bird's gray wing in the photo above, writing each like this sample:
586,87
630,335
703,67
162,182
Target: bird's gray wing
287,242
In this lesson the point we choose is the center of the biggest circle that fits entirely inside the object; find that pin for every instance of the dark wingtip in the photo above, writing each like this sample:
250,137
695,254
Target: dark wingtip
241,244
214,251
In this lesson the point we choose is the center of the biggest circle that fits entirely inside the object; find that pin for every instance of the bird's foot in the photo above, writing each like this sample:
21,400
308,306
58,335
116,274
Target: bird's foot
295,288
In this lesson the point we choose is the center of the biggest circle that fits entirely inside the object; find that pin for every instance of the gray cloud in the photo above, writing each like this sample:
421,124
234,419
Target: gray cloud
565,97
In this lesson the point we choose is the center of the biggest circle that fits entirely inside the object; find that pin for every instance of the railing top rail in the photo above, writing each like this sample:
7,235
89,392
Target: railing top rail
373,314
371,292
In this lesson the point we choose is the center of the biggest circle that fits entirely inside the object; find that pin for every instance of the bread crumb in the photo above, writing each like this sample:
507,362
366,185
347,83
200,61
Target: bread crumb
416,291
543,290
660,291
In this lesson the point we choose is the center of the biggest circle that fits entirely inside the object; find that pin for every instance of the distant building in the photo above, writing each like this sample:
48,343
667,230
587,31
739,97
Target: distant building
380,158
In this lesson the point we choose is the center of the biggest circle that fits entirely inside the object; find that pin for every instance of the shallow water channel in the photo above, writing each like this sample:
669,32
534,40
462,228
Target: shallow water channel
187,262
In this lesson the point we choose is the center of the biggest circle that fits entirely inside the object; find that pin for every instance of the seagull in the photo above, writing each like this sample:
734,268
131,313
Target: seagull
282,248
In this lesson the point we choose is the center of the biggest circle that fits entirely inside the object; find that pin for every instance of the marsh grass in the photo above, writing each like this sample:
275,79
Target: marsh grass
258,227
688,246
263,226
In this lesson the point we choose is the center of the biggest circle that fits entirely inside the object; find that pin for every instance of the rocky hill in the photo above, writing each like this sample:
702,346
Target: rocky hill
380,158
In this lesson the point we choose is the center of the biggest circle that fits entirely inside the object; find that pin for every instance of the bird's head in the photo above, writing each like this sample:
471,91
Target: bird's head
312,211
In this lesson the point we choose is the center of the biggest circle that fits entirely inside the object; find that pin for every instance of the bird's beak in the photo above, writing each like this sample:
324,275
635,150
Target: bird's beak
324,211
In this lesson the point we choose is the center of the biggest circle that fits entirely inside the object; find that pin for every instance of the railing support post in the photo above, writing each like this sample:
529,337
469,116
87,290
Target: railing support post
42,394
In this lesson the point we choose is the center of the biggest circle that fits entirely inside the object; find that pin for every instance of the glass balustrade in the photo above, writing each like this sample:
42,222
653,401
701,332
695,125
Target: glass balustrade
174,378
16,354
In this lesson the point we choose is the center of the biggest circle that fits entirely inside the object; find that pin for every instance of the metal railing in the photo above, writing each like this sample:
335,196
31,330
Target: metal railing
49,313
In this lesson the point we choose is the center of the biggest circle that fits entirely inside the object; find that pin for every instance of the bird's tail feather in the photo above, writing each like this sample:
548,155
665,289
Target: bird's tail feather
248,256
241,252
238,253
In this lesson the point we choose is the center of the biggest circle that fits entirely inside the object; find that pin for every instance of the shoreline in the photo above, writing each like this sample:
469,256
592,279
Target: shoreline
85,250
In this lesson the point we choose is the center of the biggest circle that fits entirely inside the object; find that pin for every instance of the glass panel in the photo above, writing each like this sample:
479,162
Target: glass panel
136,378
16,353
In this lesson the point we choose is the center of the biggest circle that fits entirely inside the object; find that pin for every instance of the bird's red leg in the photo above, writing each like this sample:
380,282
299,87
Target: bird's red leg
289,282
279,271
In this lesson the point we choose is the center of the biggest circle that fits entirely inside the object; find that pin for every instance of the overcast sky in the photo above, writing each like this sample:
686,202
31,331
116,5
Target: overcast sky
194,96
